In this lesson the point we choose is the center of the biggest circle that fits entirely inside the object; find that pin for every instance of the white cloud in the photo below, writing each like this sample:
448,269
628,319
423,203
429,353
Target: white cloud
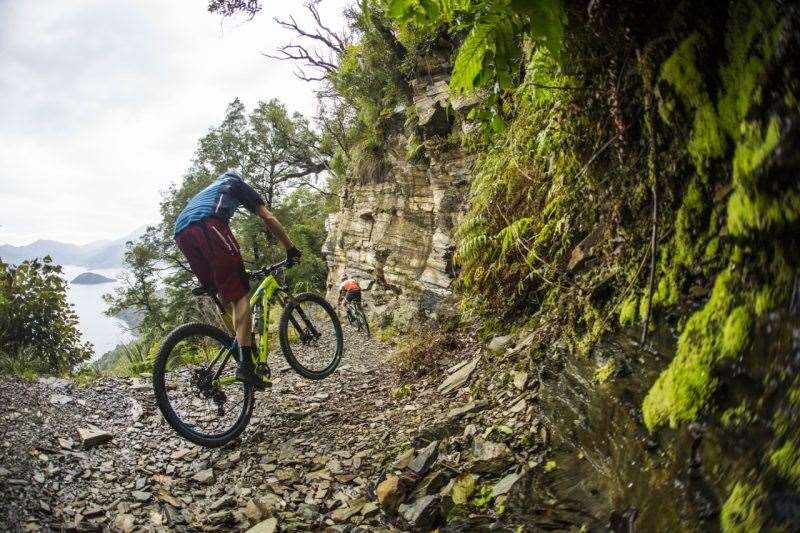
101,104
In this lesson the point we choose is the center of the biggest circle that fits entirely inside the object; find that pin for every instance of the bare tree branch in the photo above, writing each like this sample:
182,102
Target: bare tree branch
312,58
329,39
296,52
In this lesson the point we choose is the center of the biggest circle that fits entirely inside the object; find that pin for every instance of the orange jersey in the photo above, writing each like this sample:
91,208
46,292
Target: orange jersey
350,285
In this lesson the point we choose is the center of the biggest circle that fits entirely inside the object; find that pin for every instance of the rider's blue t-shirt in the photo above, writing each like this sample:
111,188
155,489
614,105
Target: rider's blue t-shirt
220,199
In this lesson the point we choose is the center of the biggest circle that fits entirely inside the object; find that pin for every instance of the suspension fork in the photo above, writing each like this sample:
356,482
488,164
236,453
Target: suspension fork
309,325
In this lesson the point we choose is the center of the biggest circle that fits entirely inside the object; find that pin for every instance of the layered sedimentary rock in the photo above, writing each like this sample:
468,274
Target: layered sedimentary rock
394,229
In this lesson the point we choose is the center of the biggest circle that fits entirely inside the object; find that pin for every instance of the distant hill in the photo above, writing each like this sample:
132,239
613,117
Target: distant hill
97,254
91,278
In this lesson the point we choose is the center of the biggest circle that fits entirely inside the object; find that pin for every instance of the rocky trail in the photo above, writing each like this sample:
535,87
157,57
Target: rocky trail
344,454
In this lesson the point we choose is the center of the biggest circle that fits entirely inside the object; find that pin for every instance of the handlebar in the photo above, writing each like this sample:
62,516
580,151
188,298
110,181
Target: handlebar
267,270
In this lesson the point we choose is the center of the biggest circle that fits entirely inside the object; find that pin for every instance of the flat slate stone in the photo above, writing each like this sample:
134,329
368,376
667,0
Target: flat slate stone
422,513
504,485
465,409
204,476
459,377
424,459
499,344
93,437
270,525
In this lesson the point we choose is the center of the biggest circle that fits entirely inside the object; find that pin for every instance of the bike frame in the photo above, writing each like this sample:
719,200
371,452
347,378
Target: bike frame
262,295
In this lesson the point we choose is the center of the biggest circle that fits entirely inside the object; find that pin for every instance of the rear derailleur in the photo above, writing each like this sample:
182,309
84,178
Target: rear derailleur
202,380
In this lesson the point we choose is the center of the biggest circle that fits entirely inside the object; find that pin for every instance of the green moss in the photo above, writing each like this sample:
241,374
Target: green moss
683,388
708,139
741,511
736,416
687,222
680,70
483,497
627,311
786,461
604,373
765,300
401,392
712,248
759,212
754,148
666,294
736,331
751,37
387,334
643,307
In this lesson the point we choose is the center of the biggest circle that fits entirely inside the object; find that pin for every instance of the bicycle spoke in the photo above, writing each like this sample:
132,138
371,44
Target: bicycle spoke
192,388
313,335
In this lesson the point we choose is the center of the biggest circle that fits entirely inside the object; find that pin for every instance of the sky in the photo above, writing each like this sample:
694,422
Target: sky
102,104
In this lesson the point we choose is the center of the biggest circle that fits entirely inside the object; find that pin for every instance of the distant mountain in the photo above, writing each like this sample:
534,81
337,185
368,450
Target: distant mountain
97,254
91,278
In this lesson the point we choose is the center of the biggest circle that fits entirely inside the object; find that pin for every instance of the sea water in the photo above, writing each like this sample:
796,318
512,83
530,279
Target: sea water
104,332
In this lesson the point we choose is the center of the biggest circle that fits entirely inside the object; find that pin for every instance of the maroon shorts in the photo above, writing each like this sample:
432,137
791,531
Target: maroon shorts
213,255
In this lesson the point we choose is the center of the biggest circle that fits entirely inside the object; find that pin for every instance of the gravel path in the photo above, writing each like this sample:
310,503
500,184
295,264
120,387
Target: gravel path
310,459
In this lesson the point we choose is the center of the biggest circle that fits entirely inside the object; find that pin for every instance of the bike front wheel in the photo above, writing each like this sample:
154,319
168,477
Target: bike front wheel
195,386
361,319
311,336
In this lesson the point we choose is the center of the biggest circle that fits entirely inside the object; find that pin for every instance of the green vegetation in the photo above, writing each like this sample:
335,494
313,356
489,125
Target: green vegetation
588,119
424,349
387,334
38,328
606,372
741,513
401,392
129,359
689,107
786,460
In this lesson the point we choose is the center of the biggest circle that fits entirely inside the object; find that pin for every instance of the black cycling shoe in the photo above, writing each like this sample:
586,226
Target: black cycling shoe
246,374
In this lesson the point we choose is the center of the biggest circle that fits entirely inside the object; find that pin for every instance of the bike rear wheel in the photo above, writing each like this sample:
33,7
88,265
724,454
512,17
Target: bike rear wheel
193,379
311,336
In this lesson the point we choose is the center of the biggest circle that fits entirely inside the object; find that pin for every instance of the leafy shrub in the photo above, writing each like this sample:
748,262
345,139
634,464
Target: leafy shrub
37,326
130,359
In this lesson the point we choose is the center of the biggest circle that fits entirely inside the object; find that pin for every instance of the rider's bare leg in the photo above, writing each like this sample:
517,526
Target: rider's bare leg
242,326
242,321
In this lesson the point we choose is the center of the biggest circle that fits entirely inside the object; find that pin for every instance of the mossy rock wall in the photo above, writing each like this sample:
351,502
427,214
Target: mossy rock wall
694,104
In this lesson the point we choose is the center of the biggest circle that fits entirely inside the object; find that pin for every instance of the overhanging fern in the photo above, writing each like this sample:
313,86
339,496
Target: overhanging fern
492,46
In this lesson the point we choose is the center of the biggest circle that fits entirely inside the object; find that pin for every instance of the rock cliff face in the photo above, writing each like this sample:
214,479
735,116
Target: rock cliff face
394,229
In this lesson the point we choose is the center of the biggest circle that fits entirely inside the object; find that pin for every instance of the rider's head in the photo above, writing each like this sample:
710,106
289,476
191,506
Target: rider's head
344,276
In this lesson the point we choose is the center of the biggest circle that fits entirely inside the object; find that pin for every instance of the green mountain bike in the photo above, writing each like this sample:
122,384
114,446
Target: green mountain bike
193,375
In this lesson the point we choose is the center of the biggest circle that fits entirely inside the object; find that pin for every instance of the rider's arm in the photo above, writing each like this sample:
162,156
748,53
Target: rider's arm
274,226
341,296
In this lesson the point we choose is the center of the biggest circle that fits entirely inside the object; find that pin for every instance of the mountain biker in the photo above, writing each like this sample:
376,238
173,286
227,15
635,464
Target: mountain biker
203,235
349,290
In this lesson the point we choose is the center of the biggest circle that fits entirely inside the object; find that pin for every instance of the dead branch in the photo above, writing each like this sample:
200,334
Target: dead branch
311,58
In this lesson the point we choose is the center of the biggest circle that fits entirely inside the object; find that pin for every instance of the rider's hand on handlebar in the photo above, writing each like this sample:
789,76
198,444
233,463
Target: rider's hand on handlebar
292,256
